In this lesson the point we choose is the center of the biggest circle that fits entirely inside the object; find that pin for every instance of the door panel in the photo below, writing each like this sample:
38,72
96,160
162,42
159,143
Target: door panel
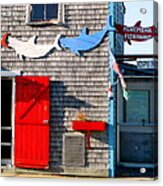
137,147
137,132
32,145
32,99
31,118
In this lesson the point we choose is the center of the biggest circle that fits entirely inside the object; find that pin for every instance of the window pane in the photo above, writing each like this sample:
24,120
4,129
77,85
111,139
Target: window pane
6,152
137,107
138,147
6,92
51,11
37,12
6,136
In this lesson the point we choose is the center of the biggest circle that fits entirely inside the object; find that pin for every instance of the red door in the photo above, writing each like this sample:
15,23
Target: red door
32,122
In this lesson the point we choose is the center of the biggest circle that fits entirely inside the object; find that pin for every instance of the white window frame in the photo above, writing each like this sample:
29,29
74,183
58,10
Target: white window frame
60,20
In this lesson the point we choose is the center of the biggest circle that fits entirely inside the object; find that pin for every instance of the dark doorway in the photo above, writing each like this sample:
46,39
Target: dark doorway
6,127
137,130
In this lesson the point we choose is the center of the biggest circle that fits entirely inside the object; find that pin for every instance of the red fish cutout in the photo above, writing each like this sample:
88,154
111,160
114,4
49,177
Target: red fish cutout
137,32
4,42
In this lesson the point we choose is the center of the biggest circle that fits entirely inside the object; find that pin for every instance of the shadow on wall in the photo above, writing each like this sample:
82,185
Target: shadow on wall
59,101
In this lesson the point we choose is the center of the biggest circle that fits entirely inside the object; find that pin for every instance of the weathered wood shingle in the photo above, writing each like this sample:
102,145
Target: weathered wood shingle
77,83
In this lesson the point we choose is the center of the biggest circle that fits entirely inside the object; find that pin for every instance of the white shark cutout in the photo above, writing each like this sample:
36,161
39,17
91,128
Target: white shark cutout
30,48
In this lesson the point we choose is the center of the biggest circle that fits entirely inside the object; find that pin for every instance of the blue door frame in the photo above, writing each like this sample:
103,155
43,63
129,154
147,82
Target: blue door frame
111,106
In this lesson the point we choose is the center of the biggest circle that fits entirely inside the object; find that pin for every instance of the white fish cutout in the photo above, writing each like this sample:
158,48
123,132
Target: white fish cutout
30,48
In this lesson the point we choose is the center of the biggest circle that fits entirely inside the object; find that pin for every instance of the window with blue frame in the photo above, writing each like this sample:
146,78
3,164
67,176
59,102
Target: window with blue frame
44,12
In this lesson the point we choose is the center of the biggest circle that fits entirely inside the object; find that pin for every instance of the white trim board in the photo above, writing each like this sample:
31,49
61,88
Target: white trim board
6,73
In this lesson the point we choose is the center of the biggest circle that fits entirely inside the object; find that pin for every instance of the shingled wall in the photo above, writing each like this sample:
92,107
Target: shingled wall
77,83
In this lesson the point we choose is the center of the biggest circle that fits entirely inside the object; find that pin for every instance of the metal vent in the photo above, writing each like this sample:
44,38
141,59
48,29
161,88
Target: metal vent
73,150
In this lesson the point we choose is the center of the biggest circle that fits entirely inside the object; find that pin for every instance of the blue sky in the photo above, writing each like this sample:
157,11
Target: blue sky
133,15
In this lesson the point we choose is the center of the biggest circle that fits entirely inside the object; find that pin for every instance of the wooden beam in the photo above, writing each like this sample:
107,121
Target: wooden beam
134,57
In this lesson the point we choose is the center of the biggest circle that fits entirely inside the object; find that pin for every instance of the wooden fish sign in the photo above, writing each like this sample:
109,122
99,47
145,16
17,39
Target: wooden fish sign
30,48
77,45
85,42
137,32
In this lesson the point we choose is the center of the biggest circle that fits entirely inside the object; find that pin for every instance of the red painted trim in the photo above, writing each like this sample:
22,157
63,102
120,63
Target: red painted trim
89,125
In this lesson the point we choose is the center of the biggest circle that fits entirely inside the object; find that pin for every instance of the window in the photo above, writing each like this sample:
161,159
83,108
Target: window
38,14
44,12
137,108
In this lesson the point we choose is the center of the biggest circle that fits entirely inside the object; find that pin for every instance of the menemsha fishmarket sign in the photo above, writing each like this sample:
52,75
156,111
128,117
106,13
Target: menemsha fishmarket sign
137,32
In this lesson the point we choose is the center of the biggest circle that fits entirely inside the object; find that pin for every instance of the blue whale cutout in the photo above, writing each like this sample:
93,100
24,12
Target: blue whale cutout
86,42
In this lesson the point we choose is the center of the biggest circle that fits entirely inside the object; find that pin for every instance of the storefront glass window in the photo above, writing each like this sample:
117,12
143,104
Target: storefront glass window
137,107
